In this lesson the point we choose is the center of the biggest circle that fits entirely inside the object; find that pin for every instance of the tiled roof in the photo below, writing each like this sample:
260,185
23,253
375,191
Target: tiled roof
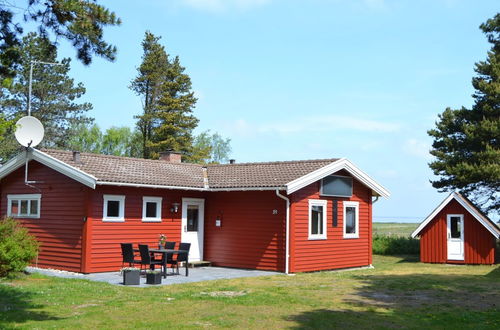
133,170
272,174
157,172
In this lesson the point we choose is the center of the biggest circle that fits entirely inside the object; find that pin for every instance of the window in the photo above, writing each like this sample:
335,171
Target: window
192,217
113,208
317,219
24,206
151,209
351,220
336,185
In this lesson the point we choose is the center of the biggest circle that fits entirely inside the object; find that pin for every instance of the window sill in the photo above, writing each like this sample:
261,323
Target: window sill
151,220
112,220
351,237
24,216
322,238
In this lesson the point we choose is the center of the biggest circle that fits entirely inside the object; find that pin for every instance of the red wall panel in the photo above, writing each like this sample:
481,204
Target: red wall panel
250,235
336,251
104,252
59,228
479,243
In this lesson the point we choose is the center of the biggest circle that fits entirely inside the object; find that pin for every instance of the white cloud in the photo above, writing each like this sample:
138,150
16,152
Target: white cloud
217,6
326,123
417,148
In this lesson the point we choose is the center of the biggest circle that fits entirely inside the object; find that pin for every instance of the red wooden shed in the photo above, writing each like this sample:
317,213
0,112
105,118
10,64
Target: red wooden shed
290,216
457,232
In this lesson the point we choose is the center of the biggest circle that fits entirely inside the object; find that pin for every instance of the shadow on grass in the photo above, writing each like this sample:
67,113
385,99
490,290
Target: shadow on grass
16,307
415,301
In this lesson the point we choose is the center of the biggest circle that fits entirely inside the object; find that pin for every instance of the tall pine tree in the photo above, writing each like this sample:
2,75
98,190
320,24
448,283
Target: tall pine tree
467,141
54,95
166,122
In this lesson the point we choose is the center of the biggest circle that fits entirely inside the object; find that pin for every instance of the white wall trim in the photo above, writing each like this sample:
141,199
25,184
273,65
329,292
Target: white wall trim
494,231
151,199
341,164
347,204
323,203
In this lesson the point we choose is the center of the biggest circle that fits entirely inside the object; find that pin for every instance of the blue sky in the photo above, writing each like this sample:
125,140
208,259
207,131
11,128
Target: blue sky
285,80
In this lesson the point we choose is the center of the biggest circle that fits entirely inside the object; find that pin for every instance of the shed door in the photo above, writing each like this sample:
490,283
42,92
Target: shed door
192,226
455,233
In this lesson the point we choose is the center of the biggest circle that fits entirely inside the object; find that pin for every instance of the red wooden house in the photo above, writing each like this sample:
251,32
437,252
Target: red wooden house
291,216
457,232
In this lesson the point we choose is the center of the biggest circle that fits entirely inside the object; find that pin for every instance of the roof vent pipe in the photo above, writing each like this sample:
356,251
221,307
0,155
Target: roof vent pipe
232,161
76,156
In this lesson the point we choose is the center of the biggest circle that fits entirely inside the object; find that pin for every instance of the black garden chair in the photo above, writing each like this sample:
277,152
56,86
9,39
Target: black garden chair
168,246
128,255
146,259
181,257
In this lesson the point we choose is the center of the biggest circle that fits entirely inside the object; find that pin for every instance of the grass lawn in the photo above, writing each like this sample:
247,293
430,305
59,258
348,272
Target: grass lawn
399,292
394,229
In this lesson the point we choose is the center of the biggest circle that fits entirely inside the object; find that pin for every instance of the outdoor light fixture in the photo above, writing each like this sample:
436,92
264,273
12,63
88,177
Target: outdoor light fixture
174,208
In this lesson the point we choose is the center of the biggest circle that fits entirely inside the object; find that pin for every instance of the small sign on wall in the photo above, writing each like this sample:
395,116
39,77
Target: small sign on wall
217,222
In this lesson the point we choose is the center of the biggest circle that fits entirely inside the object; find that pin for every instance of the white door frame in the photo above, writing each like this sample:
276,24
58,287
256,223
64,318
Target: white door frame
201,221
455,240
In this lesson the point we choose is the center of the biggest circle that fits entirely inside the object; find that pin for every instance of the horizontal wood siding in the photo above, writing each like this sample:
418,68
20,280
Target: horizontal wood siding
104,252
479,243
59,228
335,251
250,235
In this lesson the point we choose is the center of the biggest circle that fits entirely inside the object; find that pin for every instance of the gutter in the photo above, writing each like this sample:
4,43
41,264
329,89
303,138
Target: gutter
287,239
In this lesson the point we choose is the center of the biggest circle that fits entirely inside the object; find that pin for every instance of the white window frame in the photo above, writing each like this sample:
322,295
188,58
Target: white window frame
121,209
356,219
331,195
19,198
324,204
149,199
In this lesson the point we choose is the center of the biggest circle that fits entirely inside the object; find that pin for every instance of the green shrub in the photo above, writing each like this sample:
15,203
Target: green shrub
394,245
17,247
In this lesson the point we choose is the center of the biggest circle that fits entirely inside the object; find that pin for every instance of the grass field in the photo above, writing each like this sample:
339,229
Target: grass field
393,228
399,292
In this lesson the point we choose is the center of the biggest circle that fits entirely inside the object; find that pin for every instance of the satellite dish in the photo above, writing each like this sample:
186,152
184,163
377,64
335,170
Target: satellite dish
29,131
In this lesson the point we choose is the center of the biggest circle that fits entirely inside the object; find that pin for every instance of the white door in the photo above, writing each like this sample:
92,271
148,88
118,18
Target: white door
192,226
455,229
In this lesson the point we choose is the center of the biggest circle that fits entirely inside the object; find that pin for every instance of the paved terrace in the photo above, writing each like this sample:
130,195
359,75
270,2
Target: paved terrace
195,275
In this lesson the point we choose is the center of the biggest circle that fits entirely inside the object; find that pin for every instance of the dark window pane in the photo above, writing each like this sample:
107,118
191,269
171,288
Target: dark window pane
316,220
14,208
113,209
192,218
33,207
336,186
24,207
350,220
455,227
151,210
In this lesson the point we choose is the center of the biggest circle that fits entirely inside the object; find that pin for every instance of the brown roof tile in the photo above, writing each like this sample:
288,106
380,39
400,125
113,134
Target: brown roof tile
157,172
134,170
272,174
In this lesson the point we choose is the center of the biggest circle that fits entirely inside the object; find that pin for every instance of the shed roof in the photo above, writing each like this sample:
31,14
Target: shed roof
469,206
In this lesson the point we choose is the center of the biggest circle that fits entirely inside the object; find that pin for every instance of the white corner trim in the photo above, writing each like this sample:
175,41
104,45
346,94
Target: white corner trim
341,164
495,232
150,199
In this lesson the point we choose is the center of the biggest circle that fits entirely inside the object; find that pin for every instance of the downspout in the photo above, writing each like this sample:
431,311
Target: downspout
287,231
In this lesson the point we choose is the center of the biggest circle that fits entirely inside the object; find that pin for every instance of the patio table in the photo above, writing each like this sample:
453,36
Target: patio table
166,252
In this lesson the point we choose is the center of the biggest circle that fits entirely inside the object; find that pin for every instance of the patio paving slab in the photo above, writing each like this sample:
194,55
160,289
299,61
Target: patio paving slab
195,275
